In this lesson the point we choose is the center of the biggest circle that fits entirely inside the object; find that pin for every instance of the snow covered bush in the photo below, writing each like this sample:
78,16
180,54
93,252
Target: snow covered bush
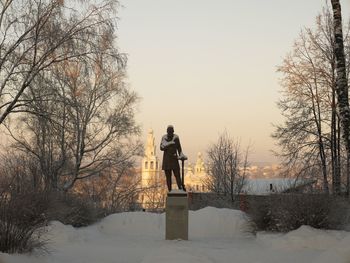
287,212
22,217
73,210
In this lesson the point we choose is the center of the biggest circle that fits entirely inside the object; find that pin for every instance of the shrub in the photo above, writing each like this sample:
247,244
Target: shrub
22,218
287,212
73,210
201,200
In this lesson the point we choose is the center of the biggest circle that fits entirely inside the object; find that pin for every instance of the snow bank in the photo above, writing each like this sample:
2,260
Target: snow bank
208,222
167,254
338,252
213,222
215,237
304,237
133,224
62,233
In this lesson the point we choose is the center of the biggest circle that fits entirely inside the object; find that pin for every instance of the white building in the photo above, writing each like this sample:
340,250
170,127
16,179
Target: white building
150,162
153,184
196,177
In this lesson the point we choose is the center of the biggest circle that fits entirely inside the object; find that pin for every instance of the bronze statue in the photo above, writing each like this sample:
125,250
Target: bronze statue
171,146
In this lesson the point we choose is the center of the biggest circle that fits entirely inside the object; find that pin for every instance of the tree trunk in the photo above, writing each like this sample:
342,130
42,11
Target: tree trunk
342,84
335,144
316,109
347,173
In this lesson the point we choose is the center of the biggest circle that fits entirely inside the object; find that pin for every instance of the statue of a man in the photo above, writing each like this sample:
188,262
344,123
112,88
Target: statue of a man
171,146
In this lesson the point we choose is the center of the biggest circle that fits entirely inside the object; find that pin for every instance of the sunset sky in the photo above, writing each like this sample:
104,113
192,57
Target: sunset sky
206,66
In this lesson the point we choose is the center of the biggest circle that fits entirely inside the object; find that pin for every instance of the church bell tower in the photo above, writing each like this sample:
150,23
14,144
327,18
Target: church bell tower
150,162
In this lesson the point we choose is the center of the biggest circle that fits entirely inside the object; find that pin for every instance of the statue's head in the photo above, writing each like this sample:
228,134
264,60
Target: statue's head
170,130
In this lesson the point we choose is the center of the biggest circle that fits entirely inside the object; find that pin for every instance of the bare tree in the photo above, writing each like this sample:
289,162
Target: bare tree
227,166
115,190
85,128
310,137
37,34
153,195
18,173
79,115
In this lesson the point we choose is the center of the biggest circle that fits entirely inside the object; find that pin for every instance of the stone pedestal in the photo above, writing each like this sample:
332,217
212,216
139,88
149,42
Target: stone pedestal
176,216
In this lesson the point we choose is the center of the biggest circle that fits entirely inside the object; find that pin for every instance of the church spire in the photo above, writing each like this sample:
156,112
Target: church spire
150,160
150,146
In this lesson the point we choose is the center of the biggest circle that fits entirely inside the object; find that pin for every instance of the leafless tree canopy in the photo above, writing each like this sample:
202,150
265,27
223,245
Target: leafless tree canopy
62,83
310,137
37,34
227,166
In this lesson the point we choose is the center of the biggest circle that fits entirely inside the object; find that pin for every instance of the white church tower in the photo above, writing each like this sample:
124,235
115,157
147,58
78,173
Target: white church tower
152,182
150,162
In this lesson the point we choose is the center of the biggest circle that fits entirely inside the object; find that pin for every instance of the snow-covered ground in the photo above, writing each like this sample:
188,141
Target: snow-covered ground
216,236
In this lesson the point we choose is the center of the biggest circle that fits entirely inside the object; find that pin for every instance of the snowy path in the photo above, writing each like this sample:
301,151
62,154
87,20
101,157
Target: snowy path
216,236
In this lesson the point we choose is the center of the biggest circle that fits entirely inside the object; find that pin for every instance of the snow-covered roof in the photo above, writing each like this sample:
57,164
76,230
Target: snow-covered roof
268,186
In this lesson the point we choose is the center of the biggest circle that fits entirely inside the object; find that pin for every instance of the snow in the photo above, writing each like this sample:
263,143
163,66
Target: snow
177,191
216,236
262,186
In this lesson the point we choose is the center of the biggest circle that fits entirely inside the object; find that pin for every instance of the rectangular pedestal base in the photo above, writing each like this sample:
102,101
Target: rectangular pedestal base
176,218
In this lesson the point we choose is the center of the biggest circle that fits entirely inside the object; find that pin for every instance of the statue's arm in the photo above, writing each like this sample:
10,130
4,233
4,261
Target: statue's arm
178,145
182,156
164,144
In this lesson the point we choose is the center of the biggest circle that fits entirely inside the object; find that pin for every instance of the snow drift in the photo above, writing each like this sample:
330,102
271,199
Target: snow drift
216,236
209,222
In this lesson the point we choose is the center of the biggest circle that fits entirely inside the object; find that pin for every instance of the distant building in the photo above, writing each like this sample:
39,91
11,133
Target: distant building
150,162
153,182
196,178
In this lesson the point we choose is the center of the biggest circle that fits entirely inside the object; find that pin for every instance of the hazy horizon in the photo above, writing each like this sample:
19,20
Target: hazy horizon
205,67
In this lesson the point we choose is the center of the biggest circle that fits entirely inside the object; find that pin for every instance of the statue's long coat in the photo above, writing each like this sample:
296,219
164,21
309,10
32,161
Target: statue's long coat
171,151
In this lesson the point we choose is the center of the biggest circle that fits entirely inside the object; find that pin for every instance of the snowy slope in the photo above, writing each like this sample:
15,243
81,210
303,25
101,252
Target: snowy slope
216,236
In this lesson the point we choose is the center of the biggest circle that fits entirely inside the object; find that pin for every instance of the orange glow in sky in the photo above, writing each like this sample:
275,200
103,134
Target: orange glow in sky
206,66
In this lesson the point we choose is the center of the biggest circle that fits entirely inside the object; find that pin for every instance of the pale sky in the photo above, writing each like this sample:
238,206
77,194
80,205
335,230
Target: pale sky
206,66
